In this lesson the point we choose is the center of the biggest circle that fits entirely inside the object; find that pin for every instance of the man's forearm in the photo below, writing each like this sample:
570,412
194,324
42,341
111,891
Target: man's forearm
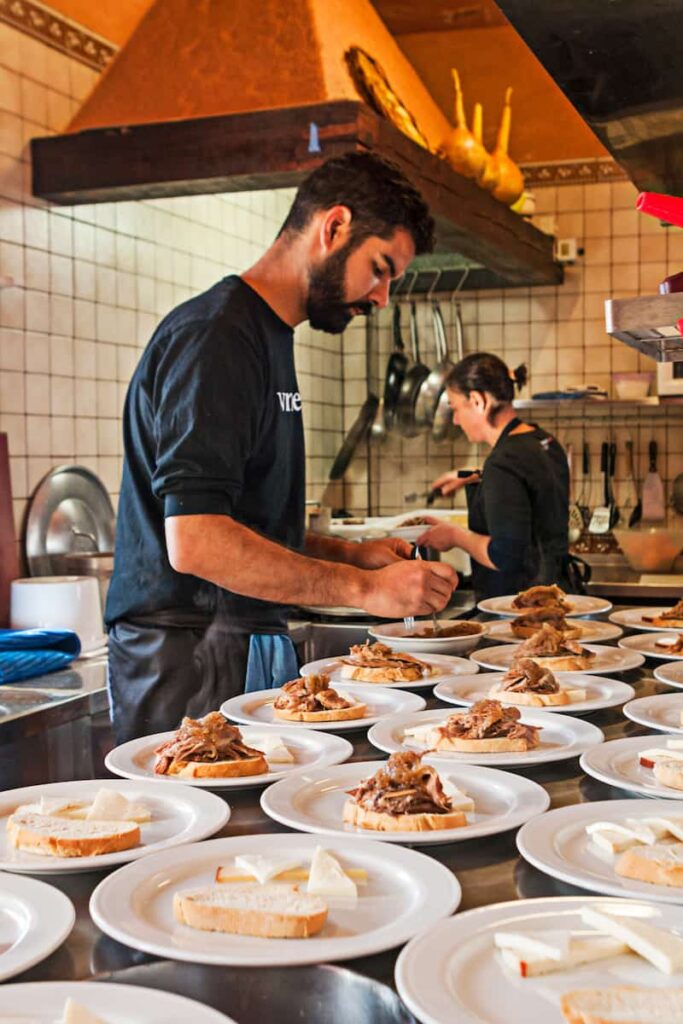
332,549
218,549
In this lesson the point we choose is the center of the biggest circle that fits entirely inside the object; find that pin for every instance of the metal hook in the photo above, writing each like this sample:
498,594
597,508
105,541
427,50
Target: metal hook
432,287
416,274
460,283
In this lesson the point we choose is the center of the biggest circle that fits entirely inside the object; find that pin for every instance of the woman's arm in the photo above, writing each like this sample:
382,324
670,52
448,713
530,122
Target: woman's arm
444,536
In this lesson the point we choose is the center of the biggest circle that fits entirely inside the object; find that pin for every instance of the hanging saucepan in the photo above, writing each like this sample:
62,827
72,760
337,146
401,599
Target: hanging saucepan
357,433
412,382
435,384
397,367
444,429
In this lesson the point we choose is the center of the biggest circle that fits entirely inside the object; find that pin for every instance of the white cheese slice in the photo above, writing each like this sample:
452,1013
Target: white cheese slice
423,735
665,826
664,950
575,696
613,842
327,877
661,754
263,869
460,801
109,805
272,745
584,950
551,945
74,1013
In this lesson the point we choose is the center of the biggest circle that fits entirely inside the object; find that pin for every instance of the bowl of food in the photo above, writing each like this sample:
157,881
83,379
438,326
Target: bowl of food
454,636
650,548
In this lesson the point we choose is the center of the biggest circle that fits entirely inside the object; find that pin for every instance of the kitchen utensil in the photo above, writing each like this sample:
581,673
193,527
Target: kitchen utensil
59,602
429,496
584,498
510,183
397,366
631,473
357,433
653,490
600,519
443,428
435,384
676,493
9,561
575,519
70,510
412,382
378,427
615,514
650,548
662,207
462,150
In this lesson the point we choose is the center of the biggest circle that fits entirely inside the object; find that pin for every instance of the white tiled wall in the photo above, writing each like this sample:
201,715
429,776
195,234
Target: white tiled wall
91,282
559,332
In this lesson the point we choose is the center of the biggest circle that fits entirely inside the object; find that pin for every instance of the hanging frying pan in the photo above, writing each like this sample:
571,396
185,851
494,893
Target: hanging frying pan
357,433
412,382
397,366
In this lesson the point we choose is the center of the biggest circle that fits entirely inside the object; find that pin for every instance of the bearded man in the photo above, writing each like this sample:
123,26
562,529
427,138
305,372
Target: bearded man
210,543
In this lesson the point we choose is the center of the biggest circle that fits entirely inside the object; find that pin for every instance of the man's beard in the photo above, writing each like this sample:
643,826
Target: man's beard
326,309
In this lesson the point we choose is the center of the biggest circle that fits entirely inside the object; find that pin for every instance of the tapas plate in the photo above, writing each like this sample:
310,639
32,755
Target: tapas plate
590,631
581,604
653,645
617,763
445,667
632,618
600,692
607,659
662,712
35,918
115,1004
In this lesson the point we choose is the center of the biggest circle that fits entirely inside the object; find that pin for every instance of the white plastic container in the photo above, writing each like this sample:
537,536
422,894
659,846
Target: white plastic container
59,602
630,387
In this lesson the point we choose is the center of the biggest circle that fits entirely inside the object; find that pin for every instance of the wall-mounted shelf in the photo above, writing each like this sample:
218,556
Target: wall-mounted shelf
563,404
648,323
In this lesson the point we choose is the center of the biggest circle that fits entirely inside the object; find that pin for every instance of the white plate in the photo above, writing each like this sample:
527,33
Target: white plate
257,708
448,665
314,802
600,692
393,635
646,643
556,843
662,711
609,659
35,919
632,618
616,762
405,891
116,1004
451,972
592,631
561,739
671,674
581,604
182,816
135,759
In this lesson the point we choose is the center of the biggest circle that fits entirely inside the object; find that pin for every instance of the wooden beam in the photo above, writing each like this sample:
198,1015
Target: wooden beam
277,148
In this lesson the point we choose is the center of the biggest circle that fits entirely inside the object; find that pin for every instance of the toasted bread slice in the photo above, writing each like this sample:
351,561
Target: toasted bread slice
495,745
669,773
60,837
566,663
623,1005
363,674
658,620
380,821
332,715
270,911
219,769
531,699
659,864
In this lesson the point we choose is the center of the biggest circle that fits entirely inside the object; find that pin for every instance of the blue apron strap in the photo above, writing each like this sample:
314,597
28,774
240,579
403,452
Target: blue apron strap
272,662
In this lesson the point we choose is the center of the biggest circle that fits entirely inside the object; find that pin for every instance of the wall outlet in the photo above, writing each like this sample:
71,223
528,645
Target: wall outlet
566,250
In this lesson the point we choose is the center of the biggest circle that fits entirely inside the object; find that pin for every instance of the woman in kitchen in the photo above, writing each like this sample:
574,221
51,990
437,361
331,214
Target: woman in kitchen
518,505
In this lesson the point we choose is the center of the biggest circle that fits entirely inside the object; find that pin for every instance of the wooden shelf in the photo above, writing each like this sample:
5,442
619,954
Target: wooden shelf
652,402
277,148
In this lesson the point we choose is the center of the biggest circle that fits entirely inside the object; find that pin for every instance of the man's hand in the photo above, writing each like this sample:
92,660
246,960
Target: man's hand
375,554
409,588
449,483
440,537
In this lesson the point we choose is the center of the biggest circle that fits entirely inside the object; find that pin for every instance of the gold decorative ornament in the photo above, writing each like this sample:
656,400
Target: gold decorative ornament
510,179
461,149
374,87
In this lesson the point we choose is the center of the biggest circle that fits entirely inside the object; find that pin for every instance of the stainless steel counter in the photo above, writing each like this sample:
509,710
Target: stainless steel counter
489,870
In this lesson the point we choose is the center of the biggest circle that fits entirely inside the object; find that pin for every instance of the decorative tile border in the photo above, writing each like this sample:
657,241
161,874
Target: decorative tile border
572,172
58,32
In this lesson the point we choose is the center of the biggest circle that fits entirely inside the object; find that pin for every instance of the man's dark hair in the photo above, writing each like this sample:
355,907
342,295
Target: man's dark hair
377,193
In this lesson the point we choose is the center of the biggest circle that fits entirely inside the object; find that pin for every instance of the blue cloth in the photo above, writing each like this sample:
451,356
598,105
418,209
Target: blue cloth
25,653
272,662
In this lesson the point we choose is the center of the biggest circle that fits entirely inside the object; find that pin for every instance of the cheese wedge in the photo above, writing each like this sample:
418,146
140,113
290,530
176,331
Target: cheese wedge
226,876
583,950
264,869
109,805
549,945
273,746
74,1013
613,842
460,801
423,735
662,949
327,878
615,837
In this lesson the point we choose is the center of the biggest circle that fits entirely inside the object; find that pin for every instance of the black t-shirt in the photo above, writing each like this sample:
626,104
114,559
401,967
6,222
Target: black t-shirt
522,503
212,424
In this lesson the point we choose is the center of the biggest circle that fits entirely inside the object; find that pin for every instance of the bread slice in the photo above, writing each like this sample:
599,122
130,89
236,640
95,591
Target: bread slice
664,623
380,821
669,773
272,911
529,698
219,769
60,837
660,864
332,715
388,674
623,1005
493,745
566,663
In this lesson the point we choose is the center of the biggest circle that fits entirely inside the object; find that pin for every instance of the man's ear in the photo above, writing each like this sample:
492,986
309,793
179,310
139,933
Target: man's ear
335,228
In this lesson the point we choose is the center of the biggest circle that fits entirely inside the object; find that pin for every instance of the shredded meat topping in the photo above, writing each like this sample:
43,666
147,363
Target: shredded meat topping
537,596
403,786
488,719
535,617
549,642
525,675
209,739
380,655
310,693
674,613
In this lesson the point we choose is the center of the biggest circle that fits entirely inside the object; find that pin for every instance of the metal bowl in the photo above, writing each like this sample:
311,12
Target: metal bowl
651,548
